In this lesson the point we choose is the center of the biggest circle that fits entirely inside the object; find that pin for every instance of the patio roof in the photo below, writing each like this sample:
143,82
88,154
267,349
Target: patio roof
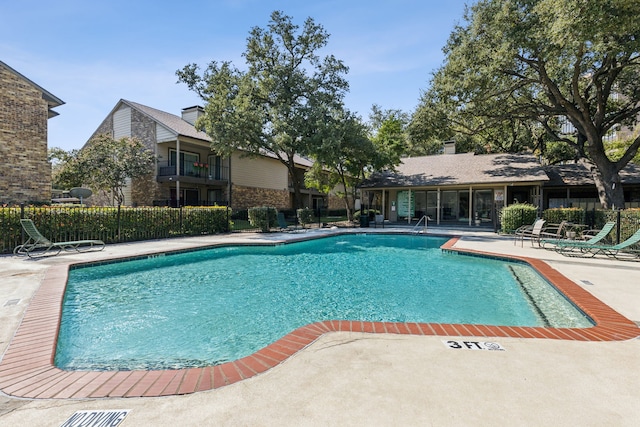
576,174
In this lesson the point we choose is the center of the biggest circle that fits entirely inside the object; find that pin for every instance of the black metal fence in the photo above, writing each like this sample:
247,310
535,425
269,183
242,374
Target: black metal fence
127,224
111,224
627,220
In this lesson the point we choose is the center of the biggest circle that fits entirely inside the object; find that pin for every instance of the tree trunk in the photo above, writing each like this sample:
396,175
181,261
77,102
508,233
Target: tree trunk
348,197
607,181
297,190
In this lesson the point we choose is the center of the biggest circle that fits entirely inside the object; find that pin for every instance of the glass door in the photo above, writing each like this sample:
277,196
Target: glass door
483,205
449,205
463,206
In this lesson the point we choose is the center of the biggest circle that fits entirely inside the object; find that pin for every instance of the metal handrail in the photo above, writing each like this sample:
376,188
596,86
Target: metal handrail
424,229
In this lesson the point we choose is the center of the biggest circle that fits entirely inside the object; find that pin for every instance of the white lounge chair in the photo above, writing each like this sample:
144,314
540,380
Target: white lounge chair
38,245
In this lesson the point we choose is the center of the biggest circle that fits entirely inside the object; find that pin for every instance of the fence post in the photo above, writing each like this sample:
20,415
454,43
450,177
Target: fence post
181,221
22,217
619,221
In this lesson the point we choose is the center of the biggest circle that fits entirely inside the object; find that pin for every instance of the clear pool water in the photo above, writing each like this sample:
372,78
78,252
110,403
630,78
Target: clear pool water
211,306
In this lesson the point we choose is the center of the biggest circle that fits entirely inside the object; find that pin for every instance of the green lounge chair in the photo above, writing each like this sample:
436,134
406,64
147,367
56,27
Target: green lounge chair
622,250
282,223
568,245
38,245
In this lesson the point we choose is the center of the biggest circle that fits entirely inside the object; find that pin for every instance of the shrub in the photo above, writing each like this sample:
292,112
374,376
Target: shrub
516,215
263,217
305,216
629,221
557,215
110,225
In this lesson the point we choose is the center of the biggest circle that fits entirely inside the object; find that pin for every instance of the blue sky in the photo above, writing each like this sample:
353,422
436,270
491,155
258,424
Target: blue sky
90,54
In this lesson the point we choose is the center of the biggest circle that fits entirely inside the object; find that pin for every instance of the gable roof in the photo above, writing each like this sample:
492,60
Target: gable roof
170,121
181,127
460,169
52,100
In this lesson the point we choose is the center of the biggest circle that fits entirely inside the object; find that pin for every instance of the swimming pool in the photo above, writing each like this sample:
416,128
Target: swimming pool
210,306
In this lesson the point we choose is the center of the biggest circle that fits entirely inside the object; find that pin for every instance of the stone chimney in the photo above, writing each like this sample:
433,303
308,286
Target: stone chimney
449,147
191,114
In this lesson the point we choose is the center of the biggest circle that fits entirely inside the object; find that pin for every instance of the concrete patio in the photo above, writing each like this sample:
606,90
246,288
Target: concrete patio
383,379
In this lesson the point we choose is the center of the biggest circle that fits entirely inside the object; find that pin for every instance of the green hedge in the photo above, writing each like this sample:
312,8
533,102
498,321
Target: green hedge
629,221
557,215
514,216
305,216
105,223
263,217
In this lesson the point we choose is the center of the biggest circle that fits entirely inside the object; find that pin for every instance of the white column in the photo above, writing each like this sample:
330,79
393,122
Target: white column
178,169
438,207
409,207
471,213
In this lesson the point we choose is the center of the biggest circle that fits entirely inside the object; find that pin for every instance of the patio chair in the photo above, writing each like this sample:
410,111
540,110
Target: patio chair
282,223
566,244
622,250
38,245
553,231
529,231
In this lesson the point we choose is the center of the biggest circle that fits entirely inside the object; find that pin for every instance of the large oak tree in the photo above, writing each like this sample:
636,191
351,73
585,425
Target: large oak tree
275,105
546,61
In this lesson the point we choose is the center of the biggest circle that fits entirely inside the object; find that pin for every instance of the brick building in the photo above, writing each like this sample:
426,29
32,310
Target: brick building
25,108
188,173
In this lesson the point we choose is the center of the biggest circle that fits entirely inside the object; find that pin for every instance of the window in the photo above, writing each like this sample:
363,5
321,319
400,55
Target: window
186,161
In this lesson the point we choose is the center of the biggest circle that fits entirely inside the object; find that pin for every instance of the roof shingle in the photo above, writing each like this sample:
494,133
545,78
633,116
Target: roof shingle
459,169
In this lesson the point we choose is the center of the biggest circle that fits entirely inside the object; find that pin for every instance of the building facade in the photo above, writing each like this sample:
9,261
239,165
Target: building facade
188,173
471,189
25,109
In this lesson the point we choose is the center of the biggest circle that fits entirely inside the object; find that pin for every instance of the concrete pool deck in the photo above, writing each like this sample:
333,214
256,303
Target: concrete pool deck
351,378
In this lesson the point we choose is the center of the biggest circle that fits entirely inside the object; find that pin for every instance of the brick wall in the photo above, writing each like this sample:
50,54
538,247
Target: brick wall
248,197
26,172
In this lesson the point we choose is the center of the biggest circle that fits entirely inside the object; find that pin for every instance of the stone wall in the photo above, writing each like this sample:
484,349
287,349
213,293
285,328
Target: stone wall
248,197
106,127
26,172
336,203
145,190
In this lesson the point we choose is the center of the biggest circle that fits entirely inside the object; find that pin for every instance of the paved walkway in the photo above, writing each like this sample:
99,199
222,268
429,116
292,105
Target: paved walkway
349,378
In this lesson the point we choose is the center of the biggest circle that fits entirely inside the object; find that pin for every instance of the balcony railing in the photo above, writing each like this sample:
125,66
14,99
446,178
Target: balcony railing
206,171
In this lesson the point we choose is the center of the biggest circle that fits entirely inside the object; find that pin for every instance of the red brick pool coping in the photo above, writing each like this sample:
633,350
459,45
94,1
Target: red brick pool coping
27,369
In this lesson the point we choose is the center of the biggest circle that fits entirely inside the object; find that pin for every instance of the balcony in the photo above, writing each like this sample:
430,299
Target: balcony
189,173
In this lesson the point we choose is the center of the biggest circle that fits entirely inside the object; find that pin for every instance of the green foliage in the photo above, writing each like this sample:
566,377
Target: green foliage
106,164
559,151
514,216
629,221
524,63
305,216
276,105
557,215
343,156
616,149
65,170
263,217
75,223
389,136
